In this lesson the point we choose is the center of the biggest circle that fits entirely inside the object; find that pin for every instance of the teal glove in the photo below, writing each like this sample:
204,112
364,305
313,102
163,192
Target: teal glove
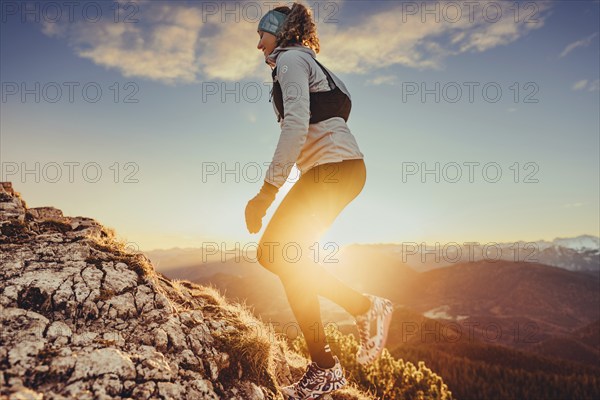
256,208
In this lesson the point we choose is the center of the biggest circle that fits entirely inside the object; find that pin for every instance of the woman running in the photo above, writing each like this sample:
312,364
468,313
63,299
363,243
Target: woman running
312,105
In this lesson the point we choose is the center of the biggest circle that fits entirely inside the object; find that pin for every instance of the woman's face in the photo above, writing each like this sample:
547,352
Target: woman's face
266,43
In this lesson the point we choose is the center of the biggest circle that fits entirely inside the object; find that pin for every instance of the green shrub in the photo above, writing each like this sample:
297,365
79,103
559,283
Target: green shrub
386,378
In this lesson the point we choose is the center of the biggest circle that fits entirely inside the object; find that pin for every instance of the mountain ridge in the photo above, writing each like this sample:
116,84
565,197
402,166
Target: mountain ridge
84,317
579,253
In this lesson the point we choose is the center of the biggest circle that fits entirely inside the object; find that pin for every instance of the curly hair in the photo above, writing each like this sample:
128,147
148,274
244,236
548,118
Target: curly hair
298,27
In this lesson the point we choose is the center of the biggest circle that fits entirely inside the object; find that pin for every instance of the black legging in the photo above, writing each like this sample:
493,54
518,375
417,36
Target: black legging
303,216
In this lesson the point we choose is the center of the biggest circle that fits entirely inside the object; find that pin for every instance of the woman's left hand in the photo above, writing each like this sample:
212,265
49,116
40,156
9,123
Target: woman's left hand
257,208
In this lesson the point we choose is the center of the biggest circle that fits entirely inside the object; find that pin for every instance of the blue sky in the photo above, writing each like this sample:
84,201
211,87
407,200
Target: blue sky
152,152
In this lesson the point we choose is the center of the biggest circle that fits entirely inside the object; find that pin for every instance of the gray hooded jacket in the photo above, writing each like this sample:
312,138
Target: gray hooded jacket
304,144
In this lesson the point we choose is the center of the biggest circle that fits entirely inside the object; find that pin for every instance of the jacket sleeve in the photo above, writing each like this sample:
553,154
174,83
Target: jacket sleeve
292,73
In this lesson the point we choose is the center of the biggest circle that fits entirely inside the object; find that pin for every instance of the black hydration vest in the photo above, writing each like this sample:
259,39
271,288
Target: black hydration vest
323,105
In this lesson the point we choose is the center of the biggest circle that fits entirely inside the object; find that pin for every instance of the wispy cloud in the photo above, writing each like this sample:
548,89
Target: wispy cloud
251,117
573,205
579,43
584,84
396,37
161,48
580,84
175,42
383,80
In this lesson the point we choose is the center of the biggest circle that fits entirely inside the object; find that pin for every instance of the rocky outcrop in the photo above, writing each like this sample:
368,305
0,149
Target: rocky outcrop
84,318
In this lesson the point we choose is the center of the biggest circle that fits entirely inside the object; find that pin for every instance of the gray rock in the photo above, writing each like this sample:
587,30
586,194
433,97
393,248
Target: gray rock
83,319
103,361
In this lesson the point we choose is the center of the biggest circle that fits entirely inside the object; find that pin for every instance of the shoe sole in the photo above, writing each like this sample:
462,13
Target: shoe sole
387,319
386,330
318,397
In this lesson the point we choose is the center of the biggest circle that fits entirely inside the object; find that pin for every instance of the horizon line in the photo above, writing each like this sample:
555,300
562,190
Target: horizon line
403,242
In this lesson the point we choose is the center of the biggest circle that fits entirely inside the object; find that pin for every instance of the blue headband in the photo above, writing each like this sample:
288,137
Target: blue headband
271,22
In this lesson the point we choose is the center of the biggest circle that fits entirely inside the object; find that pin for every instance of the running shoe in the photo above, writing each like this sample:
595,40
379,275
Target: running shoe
316,381
373,327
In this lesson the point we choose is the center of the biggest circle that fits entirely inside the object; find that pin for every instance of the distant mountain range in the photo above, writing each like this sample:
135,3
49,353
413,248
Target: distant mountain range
581,253
579,243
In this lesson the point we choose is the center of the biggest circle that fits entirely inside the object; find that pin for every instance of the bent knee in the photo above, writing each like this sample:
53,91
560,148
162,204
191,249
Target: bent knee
270,255
265,255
